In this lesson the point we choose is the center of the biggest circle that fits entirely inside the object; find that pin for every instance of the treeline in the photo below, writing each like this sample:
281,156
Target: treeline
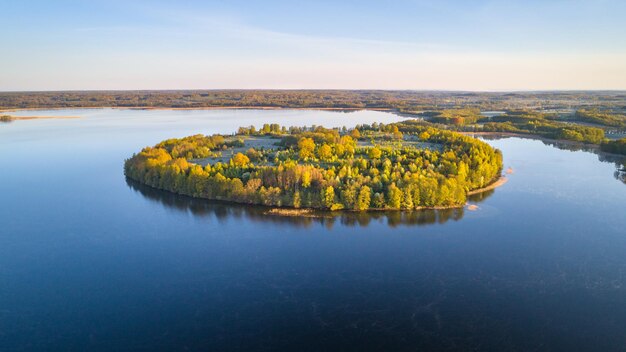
6,118
616,146
326,169
602,118
549,129
522,116
404,101
524,121
220,211
457,117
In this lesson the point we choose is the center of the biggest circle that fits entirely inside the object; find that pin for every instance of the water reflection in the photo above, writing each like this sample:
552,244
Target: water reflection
618,160
221,211
620,173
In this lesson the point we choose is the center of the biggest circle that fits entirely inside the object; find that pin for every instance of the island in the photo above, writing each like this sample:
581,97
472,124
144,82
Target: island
406,165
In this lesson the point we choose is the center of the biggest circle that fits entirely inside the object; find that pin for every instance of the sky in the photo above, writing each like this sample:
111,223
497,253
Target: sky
406,44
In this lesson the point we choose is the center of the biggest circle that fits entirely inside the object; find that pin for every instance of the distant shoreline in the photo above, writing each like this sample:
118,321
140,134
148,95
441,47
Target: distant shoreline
13,117
595,147
3,110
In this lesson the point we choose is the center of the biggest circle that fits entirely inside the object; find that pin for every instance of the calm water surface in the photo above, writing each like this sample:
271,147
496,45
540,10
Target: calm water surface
89,261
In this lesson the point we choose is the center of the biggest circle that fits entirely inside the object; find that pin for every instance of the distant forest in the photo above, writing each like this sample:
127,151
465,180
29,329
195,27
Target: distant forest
403,101
582,116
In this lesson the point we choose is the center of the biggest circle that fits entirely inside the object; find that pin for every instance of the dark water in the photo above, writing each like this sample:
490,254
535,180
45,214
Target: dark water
91,262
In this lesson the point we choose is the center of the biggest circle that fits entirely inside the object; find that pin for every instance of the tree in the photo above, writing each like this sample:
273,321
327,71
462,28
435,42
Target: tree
329,197
325,152
296,200
379,200
374,153
348,145
348,196
363,199
394,200
240,160
407,201
306,179
355,133
306,147
253,154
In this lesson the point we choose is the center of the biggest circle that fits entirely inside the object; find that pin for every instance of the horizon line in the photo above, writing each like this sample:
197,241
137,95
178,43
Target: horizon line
316,89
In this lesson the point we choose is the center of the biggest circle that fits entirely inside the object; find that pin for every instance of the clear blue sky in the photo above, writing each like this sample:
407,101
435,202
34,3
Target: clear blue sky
412,44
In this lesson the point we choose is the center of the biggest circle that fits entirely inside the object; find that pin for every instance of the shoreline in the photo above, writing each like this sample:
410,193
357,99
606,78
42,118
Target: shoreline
38,117
595,147
322,213
497,183
243,107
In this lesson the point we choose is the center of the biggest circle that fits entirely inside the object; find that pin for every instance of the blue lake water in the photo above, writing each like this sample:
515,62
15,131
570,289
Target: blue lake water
92,262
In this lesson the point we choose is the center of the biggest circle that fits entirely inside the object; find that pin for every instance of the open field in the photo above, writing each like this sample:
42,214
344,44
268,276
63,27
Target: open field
256,142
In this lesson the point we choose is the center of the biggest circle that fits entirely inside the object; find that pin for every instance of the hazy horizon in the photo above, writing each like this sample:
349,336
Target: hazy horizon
483,46
321,89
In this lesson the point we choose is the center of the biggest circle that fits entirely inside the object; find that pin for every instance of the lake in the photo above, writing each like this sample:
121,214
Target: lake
91,261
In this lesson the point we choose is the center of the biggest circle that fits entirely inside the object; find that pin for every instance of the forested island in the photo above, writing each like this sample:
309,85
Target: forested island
408,165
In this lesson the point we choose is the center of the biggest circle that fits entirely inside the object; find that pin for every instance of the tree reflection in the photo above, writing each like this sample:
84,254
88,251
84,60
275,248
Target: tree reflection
620,173
618,160
222,211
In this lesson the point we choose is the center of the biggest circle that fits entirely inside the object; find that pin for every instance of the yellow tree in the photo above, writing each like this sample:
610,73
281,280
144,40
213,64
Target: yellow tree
395,197
325,152
349,145
306,179
306,147
374,153
329,197
364,198
240,160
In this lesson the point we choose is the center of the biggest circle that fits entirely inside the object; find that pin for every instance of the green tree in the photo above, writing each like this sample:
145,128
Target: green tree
296,199
407,200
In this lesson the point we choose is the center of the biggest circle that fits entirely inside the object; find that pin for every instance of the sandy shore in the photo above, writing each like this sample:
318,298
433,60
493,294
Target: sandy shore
499,182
